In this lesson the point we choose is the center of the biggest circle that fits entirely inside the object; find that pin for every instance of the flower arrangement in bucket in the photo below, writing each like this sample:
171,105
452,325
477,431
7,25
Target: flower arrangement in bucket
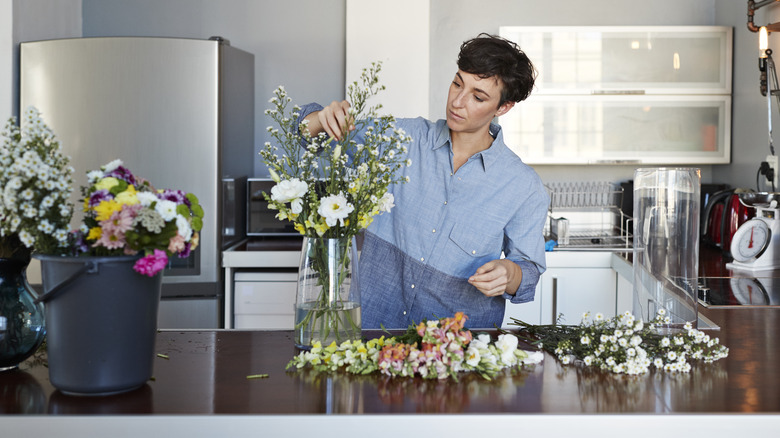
126,215
111,271
331,190
35,184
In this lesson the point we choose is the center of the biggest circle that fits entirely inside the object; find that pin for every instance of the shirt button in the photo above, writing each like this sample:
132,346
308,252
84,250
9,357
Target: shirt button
445,202
422,259
473,252
412,286
434,230
404,312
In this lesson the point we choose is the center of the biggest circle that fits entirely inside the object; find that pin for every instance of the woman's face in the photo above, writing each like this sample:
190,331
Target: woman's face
472,102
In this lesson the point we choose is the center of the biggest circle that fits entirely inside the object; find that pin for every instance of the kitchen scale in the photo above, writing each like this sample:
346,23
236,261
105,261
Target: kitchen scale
756,243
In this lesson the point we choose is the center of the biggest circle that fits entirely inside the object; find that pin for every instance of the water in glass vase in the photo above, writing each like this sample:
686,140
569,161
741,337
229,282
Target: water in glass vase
339,322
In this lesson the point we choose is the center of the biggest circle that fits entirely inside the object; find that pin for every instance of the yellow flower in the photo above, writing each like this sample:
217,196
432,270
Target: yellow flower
364,221
321,228
106,183
105,209
300,228
95,233
128,197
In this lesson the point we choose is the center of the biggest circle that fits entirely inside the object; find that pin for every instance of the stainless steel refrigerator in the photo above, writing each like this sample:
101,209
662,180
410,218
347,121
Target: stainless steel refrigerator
179,112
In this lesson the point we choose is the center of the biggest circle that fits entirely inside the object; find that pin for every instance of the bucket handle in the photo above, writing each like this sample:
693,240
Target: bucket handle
89,268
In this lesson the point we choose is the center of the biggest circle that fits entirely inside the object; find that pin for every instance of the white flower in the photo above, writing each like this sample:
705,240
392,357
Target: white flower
289,190
146,198
386,203
507,344
112,166
335,208
665,342
534,358
482,341
296,206
472,356
166,209
27,238
183,227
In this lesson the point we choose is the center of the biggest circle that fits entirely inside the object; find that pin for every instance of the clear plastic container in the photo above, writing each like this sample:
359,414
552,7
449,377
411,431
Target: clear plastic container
666,244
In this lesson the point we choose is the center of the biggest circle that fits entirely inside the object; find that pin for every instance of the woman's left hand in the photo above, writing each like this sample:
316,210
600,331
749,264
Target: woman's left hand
496,277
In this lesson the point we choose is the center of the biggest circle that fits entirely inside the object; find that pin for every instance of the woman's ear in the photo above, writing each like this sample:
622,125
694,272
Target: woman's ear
504,108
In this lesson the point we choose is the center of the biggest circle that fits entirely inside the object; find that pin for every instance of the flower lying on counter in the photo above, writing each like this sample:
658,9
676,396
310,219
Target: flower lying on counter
432,350
624,345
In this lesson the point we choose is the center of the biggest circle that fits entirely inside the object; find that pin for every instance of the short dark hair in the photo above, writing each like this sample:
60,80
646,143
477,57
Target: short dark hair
490,56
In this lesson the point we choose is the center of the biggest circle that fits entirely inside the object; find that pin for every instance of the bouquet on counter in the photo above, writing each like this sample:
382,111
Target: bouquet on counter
125,215
432,350
35,184
624,345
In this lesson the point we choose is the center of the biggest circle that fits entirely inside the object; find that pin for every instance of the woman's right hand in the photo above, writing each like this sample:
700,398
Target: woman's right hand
334,120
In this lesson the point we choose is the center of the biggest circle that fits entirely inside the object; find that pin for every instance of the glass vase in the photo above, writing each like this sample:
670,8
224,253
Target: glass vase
327,304
666,245
21,319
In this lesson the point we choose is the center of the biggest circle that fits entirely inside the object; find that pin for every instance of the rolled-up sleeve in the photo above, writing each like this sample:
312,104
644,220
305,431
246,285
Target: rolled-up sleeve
524,241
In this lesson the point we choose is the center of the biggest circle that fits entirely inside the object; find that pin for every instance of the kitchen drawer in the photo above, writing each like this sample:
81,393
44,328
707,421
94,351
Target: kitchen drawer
265,300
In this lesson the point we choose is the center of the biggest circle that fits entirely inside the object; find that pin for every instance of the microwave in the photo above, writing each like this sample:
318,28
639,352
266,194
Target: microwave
261,220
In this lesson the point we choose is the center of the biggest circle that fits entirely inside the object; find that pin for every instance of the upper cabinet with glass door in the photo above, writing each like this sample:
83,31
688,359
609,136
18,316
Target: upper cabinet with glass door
668,85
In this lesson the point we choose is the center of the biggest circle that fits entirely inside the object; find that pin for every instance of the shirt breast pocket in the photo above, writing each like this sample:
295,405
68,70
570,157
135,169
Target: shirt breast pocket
480,243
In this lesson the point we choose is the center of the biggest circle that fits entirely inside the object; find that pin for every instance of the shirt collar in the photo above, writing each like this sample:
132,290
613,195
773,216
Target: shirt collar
488,156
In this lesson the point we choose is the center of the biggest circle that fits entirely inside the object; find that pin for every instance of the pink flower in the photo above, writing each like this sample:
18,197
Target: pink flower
111,238
176,244
151,264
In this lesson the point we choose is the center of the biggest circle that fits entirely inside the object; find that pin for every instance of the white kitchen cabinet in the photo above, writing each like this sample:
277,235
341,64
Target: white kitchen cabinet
618,129
265,300
570,292
644,95
575,282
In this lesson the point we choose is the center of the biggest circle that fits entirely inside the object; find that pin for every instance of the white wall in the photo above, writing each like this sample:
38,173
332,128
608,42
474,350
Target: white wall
6,60
398,35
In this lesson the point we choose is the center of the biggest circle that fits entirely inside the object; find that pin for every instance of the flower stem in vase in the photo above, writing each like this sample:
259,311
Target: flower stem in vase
324,310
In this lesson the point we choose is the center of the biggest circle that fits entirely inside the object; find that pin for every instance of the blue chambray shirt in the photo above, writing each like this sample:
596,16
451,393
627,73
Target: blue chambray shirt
416,260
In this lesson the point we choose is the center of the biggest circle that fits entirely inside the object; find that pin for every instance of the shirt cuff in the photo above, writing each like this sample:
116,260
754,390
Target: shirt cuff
527,289
305,111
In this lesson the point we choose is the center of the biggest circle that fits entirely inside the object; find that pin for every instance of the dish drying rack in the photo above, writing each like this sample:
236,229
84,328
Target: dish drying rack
588,216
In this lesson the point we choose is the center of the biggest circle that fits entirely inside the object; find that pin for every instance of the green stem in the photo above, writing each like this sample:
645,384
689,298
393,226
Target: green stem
330,260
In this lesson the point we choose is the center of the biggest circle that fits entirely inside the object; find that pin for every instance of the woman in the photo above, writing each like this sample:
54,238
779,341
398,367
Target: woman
468,200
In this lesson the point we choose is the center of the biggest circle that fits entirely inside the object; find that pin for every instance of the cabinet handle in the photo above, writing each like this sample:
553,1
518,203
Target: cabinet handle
554,299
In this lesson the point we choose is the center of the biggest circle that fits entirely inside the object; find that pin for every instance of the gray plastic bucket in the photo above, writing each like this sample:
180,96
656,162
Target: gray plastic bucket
101,321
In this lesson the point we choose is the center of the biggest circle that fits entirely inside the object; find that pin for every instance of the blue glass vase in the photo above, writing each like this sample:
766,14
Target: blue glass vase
21,319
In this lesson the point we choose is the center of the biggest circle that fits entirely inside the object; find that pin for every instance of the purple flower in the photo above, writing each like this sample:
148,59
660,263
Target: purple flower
151,264
186,251
177,196
122,173
99,195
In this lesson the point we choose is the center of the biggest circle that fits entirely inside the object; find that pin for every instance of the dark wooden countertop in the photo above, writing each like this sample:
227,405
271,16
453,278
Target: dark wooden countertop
206,371
206,374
